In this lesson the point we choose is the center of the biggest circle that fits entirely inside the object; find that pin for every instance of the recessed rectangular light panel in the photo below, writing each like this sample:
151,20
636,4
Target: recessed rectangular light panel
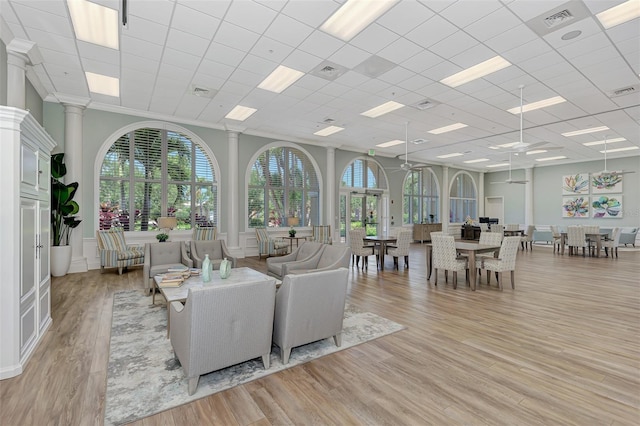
602,142
240,113
453,154
94,23
585,131
498,165
537,105
446,129
477,71
281,78
551,158
354,16
628,148
329,131
390,143
382,109
478,160
103,84
619,14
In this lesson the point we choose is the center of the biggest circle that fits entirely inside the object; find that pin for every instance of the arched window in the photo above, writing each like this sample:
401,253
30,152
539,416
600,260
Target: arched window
421,202
283,189
148,173
462,198
363,174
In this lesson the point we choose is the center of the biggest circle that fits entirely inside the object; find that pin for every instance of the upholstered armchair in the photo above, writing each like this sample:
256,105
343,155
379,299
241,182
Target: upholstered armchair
327,259
321,234
216,249
305,251
309,307
269,246
400,248
115,252
222,325
159,257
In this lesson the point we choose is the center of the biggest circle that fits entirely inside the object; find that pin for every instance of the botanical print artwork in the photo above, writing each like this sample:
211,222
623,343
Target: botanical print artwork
575,184
575,207
606,182
607,206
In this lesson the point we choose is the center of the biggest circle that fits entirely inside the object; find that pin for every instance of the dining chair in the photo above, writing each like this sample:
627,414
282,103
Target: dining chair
591,241
497,228
490,239
444,256
527,238
576,238
484,227
613,242
400,248
359,248
505,262
511,227
557,237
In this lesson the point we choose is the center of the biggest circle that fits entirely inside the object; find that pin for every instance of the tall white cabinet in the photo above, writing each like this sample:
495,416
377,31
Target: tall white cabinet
25,286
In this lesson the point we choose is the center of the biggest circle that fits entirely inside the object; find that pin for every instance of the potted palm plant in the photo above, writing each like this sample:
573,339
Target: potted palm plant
63,216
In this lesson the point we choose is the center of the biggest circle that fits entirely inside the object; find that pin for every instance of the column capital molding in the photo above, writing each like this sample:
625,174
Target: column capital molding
70,100
26,49
234,129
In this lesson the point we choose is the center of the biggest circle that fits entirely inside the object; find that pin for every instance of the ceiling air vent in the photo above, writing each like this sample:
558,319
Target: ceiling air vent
425,104
202,91
623,91
328,71
419,141
558,18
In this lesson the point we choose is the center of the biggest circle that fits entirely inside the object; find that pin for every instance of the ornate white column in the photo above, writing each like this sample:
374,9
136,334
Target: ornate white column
481,194
528,197
20,53
231,187
330,190
73,128
444,207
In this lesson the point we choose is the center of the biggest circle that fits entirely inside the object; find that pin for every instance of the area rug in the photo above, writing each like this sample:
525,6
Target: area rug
144,377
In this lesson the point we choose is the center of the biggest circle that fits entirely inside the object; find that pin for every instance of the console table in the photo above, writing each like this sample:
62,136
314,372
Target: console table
422,231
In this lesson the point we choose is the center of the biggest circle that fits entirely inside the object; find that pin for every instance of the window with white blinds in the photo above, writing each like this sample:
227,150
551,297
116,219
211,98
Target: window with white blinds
421,202
363,174
283,189
150,173
462,199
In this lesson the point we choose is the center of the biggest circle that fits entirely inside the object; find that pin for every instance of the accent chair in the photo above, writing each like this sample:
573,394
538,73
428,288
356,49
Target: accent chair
321,234
115,252
275,265
216,249
269,246
159,257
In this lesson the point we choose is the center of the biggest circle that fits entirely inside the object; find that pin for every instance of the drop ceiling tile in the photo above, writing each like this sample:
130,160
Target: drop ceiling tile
171,72
180,59
511,39
541,62
596,56
396,75
208,81
437,6
64,60
349,56
216,8
431,32
170,87
215,69
194,22
146,30
288,30
405,16
187,43
258,66
374,38
380,87
473,56
415,82
493,24
137,63
236,37
141,48
311,13
302,61
526,10
442,70
422,61
271,50
236,88
250,15
17,30
245,77
160,13
191,106
71,88
321,44
298,92
224,54
63,72
7,13
400,50
52,41
351,79
505,75
530,50
44,21
99,67
464,13
98,53
628,31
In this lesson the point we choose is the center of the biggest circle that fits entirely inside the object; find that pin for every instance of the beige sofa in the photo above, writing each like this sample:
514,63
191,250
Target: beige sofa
309,307
222,325
275,265
327,259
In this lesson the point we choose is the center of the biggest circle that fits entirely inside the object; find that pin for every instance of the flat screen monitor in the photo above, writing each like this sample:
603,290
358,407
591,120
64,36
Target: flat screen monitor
493,220
483,219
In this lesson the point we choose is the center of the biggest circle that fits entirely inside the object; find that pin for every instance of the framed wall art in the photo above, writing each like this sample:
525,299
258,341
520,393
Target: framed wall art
576,207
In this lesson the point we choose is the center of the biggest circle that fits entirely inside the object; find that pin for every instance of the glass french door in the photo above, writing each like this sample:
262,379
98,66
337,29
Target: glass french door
358,211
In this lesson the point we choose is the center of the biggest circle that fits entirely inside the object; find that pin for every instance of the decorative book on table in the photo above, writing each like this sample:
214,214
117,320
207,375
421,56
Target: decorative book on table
178,268
172,279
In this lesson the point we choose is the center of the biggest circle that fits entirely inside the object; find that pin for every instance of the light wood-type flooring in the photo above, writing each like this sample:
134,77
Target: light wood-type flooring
563,348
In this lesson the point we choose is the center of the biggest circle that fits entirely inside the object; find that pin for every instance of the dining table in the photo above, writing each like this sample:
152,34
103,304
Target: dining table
595,236
470,248
382,242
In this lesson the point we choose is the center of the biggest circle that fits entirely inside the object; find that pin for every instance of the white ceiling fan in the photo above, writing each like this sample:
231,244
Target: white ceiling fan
520,144
406,166
607,173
